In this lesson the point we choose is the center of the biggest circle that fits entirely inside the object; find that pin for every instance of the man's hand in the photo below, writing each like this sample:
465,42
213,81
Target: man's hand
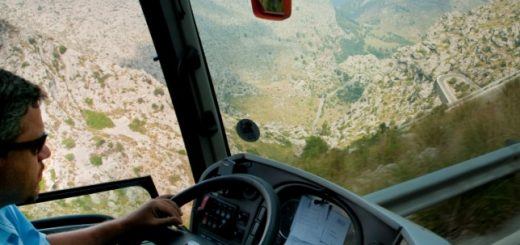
161,211
156,213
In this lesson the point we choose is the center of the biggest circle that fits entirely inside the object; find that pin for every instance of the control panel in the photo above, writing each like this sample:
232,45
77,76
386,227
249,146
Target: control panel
221,220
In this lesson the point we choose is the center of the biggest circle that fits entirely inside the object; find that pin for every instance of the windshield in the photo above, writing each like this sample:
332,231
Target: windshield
108,114
368,94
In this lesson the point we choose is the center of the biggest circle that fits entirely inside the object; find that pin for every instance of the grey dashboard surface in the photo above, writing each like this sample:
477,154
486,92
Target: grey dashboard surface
370,224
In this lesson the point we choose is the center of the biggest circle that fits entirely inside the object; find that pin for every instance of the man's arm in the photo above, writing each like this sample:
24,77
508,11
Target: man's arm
105,233
158,212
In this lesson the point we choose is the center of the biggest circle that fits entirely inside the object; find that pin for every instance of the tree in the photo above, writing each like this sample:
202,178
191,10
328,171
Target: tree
314,146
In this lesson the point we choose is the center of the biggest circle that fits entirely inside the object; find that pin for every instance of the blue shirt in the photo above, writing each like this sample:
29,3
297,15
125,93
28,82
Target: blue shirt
16,229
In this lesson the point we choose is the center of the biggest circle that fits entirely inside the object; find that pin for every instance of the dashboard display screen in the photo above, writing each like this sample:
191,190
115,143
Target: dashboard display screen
318,222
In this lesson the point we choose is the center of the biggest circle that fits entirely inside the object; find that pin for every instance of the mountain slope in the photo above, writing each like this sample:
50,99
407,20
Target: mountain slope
384,26
105,122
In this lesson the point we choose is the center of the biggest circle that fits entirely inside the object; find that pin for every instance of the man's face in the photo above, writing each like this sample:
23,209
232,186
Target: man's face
21,170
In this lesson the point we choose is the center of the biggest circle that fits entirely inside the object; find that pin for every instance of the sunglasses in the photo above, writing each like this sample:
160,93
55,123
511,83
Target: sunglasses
35,146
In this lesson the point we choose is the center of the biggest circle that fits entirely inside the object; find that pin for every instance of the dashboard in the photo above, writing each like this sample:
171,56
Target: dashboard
238,216
312,210
245,199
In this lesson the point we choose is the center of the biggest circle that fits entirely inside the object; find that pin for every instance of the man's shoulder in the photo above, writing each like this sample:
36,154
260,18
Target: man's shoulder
8,209
15,228
11,215
8,230
8,216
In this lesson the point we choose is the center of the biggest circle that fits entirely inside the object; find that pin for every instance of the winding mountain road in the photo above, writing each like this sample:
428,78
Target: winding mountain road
448,95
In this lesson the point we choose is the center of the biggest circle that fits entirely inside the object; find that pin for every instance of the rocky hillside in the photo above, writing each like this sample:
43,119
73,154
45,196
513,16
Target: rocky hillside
110,30
105,122
406,18
481,44
380,27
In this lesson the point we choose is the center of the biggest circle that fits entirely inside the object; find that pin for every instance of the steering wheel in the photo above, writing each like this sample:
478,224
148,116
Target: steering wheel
271,203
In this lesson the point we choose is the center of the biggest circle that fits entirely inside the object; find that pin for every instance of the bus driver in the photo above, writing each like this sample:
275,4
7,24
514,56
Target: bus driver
22,151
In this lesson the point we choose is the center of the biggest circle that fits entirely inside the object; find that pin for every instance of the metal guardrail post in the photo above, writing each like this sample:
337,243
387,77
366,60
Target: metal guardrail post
422,192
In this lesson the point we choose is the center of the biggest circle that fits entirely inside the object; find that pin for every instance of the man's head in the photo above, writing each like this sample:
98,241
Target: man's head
22,139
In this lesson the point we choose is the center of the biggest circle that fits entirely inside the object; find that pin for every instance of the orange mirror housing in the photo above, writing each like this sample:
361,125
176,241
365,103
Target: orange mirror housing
272,9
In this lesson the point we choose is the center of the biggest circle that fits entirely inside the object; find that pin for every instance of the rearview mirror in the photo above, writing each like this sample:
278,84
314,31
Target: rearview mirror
272,9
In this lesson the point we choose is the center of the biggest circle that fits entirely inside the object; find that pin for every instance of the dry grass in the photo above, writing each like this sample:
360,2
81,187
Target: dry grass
444,138
277,107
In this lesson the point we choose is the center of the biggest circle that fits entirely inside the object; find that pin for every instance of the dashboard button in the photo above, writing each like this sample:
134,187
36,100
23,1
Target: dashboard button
254,230
261,213
243,218
250,239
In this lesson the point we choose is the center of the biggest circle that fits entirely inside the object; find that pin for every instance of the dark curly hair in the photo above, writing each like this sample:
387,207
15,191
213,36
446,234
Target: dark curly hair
16,95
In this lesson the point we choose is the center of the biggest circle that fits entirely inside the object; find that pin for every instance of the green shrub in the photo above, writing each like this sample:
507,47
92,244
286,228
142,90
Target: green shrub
96,160
89,101
120,147
56,54
99,141
70,122
69,143
138,126
62,49
97,120
42,185
70,157
158,91
53,175
314,146
173,179
325,129
138,170
100,77
32,41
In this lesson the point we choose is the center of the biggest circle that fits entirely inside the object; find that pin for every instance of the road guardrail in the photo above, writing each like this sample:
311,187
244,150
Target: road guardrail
413,195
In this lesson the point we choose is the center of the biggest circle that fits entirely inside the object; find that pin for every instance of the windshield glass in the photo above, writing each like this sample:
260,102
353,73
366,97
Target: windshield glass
108,113
368,94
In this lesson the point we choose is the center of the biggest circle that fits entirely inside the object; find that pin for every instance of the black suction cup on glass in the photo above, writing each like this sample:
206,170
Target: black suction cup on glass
248,130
